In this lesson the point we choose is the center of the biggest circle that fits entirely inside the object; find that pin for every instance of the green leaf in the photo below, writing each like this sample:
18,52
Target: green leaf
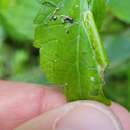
118,50
17,18
67,57
2,35
99,11
4,4
120,8
117,90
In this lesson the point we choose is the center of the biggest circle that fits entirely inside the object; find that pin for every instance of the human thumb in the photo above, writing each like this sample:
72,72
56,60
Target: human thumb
81,115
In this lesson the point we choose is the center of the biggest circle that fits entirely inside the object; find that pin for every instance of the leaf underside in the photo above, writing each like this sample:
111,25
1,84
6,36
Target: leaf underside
67,57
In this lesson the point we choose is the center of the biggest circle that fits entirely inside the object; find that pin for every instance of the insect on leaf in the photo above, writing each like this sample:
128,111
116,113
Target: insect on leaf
68,56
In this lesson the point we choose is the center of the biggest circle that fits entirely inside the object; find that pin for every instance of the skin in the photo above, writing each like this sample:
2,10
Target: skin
34,107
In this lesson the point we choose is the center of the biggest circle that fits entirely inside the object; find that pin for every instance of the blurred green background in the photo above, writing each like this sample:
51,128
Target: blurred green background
19,60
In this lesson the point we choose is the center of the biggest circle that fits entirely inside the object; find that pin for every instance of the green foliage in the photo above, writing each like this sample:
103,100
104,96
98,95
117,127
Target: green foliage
70,55
117,90
16,64
17,18
4,4
99,11
118,49
3,60
19,60
120,8
16,26
30,75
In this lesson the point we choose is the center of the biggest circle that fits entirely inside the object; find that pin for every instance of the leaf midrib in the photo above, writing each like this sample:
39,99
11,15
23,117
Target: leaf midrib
78,58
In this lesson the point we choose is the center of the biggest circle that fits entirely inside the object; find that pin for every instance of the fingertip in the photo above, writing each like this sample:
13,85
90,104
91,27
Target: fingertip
82,115
89,115
122,114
